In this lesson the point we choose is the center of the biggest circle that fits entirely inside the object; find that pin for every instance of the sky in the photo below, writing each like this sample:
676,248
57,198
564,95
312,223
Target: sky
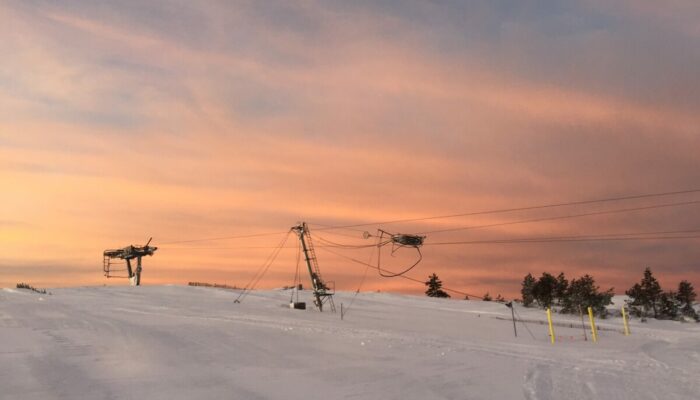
183,121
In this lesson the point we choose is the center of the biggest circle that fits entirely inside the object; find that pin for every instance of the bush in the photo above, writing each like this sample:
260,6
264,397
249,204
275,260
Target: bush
30,287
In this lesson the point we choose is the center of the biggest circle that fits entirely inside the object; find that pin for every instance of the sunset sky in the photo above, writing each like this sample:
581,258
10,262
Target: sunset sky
182,120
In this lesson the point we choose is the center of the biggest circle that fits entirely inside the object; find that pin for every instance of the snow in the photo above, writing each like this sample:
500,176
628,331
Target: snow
178,342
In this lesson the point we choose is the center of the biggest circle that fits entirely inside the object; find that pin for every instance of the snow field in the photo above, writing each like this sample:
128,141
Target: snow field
178,342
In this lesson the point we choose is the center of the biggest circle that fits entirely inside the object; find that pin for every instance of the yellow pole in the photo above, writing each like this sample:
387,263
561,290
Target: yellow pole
551,328
594,332
624,321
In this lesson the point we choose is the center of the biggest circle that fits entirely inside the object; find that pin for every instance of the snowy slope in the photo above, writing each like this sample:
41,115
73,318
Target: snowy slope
175,342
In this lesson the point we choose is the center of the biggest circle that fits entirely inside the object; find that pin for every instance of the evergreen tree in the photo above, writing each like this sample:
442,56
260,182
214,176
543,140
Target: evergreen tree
668,305
652,290
434,285
487,297
500,299
686,297
561,289
638,303
583,293
544,288
526,291
646,294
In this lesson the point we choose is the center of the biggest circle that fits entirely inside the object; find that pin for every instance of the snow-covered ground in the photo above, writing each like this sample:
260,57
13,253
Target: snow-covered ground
177,342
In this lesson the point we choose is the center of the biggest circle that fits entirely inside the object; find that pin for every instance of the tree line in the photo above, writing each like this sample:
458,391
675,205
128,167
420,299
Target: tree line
571,297
646,298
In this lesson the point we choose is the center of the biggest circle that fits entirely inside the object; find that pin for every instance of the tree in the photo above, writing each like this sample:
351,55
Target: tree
638,302
434,285
526,291
560,289
668,305
487,297
543,291
652,290
583,293
686,297
500,299
646,294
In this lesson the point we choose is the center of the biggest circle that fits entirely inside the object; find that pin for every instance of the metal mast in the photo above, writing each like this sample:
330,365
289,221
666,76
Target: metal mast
322,292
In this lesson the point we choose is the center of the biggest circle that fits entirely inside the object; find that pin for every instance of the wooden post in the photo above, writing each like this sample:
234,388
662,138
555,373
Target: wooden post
551,328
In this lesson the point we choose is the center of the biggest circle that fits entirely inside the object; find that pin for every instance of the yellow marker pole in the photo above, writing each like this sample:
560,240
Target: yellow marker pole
624,321
551,328
594,332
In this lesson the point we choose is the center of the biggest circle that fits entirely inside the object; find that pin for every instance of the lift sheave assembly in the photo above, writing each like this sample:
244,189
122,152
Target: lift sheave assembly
117,261
397,241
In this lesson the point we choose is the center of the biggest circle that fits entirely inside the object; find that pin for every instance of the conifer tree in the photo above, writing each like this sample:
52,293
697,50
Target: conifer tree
583,293
686,297
434,285
561,289
526,291
487,297
646,294
668,305
637,303
543,291
652,290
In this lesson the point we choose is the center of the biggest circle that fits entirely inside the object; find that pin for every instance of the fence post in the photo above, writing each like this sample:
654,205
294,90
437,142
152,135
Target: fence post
624,321
551,328
594,331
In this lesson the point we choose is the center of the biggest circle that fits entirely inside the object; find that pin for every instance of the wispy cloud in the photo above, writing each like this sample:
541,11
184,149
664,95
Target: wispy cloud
187,120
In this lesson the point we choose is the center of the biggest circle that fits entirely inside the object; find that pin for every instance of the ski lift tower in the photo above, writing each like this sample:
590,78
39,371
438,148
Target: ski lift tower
127,254
322,292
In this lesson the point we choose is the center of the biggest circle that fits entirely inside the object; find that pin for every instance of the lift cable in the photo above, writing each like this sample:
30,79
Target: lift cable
522,321
583,238
602,237
400,276
297,275
506,210
263,269
560,217
362,281
325,227
225,237
329,243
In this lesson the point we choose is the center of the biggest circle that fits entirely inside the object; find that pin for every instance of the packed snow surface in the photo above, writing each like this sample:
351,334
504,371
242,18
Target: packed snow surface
178,342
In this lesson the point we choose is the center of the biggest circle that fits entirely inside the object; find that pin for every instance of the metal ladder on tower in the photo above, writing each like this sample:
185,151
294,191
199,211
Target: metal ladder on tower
323,292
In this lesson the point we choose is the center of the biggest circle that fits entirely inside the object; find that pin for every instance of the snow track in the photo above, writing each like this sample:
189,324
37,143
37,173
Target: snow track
173,342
